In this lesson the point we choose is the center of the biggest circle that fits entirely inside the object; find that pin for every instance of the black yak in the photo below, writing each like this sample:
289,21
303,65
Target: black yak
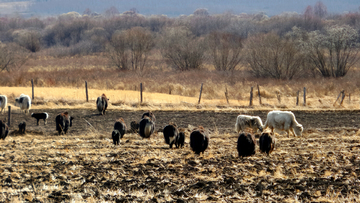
22,127
246,145
102,104
267,143
150,115
199,140
4,130
171,134
146,127
63,122
39,116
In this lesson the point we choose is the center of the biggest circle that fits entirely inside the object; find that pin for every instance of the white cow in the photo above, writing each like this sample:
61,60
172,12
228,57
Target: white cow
245,121
24,102
284,121
3,102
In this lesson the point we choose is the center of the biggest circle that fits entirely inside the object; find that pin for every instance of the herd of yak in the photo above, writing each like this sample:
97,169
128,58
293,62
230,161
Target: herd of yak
245,126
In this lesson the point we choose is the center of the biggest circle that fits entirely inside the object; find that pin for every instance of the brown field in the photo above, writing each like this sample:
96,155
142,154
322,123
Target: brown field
84,165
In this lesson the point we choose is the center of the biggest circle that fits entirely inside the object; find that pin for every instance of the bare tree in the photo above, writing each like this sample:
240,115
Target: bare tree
308,14
334,52
225,50
29,39
181,49
117,51
112,11
201,12
12,56
87,12
270,56
320,9
140,43
130,49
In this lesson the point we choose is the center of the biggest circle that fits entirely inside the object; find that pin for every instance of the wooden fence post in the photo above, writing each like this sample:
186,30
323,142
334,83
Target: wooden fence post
259,94
32,86
297,97
200,93
304,96
251,96
9,115
86,91
141,93
278,97
226,95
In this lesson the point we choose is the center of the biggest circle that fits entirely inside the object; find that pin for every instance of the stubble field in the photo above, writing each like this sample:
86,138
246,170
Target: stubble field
84,165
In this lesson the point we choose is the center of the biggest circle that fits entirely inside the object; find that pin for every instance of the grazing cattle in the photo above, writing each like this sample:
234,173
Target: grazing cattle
180,140
63,122
199,140
267,143
4,130
134,126
102,104
171,135
284,121
245,121
246,145
22,127
150,115
120,126
3,102
24,102
39,116
146,127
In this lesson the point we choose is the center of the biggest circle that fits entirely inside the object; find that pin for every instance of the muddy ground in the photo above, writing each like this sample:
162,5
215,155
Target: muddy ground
84,166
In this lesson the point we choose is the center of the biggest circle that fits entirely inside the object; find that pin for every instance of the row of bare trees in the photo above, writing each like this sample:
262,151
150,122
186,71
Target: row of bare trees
281,47
331,53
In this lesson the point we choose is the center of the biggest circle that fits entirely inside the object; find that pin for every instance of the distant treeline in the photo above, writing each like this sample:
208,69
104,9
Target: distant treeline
283,46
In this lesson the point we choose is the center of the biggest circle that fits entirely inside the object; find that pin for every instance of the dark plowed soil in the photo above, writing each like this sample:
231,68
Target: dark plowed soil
222,121
84,165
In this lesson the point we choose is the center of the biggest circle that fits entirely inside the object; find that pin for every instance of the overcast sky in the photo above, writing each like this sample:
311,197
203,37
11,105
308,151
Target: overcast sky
172,8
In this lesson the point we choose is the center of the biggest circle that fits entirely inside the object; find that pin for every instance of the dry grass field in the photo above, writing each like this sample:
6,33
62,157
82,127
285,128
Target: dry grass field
84,165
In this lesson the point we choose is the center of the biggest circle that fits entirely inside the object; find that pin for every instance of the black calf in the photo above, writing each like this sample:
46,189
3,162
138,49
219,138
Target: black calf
39,116
116,137
180,140
22,127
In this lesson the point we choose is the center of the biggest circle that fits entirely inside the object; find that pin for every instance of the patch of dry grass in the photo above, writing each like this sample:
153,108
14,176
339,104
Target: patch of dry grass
63,97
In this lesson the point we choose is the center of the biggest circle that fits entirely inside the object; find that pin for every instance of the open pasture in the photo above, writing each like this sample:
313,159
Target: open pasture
84,165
